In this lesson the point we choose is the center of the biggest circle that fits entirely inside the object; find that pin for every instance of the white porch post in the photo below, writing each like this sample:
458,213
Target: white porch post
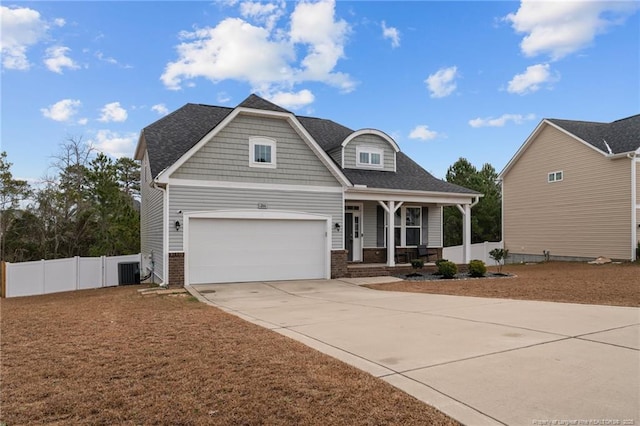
465,209
391,248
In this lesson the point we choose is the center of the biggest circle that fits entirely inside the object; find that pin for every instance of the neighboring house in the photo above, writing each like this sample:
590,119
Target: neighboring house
257,193
572,190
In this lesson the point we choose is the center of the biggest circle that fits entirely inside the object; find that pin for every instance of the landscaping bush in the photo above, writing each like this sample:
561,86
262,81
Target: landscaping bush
499,255
417,264
447,269
477,268
439,261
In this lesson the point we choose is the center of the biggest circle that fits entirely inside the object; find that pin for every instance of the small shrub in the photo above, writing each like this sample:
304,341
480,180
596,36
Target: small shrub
447,269
439,261
499,255
417,264
477,268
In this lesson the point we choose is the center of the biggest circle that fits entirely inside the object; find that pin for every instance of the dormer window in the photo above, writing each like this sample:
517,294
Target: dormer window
369,157
262,152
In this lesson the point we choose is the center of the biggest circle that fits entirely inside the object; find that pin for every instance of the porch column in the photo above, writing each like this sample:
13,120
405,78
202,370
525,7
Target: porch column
391,248
465,209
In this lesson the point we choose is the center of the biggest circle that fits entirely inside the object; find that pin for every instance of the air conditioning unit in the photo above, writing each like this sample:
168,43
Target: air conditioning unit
128,273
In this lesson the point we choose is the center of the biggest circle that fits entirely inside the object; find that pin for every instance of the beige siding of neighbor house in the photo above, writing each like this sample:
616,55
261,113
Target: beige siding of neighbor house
151,221
587,214
369,141
226,157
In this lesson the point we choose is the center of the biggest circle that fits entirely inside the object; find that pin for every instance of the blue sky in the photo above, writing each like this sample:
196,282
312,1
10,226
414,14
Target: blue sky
444,79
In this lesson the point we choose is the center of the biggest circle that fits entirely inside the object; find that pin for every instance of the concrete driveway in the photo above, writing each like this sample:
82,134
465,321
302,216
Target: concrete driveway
481,361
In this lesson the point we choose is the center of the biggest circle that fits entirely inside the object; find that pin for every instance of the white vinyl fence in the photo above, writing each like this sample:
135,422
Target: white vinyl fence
52,276
479,251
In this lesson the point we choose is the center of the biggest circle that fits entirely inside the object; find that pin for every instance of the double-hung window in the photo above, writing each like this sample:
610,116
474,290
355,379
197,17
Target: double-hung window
407,226
262,152
369,157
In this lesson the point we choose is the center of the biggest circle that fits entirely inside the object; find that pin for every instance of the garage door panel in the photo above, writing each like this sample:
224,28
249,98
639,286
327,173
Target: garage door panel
235,250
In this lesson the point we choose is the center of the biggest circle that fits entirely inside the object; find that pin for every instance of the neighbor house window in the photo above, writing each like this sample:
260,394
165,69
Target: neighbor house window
407,226
262,152
555,176
369,157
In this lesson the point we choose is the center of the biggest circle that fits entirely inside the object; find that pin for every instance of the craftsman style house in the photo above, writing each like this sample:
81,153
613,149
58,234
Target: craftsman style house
257,193
571,191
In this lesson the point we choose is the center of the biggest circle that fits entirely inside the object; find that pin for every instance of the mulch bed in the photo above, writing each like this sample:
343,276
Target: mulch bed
112,356
570,282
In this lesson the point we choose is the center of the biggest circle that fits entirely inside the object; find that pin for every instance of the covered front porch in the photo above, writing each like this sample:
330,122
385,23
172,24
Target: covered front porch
416,231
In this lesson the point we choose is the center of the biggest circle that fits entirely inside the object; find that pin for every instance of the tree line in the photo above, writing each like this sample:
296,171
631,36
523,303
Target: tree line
88,206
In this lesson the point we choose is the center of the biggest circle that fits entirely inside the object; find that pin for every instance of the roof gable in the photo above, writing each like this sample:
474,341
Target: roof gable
609,139
617,137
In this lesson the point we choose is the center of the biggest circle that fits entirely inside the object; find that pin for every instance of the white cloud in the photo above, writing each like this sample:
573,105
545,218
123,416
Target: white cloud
56,59
261,55
560,28
115,144
59,22
62,110
292,100
160,109
266,13
532,79
422,132
501,121
314,25
21,28
223,97
83,121
113,112
392,34
442,83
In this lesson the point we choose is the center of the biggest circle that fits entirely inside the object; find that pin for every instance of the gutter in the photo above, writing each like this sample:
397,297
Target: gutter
165,238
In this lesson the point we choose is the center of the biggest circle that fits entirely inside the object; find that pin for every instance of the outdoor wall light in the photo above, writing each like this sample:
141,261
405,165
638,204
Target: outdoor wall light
336,226
177,225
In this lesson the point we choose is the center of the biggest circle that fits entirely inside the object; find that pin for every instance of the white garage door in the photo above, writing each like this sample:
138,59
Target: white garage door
222,250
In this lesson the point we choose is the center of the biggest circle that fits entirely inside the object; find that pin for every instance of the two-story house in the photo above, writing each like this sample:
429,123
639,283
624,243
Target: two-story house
571,192
257,193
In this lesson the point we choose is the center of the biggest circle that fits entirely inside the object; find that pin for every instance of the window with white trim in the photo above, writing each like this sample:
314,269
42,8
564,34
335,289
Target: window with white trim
407,226
262,152
369,157
555,176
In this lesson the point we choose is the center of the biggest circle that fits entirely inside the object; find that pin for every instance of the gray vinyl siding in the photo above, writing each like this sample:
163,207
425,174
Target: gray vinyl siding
336,155
151,224
192,199
587,214
434,232
370,224
226,157
372,141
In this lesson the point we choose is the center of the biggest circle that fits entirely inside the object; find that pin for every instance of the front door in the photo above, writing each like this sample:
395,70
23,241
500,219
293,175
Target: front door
352,233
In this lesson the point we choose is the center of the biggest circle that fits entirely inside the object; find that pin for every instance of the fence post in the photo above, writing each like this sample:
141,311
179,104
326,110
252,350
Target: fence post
103,263
77,266
44,277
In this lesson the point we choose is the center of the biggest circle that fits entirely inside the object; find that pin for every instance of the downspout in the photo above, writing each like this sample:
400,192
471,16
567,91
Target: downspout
165,238
634,205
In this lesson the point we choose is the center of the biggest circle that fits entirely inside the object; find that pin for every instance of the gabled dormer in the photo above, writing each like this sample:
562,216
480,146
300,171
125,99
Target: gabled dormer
368,149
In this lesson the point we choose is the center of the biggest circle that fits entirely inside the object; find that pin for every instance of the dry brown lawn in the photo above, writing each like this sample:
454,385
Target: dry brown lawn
112,356
610,284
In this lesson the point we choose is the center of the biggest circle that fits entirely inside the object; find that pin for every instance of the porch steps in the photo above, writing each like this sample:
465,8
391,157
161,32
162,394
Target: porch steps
358,270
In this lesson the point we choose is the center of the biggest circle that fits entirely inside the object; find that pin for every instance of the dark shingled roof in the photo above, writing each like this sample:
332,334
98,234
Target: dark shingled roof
172,136
409,176
621,135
